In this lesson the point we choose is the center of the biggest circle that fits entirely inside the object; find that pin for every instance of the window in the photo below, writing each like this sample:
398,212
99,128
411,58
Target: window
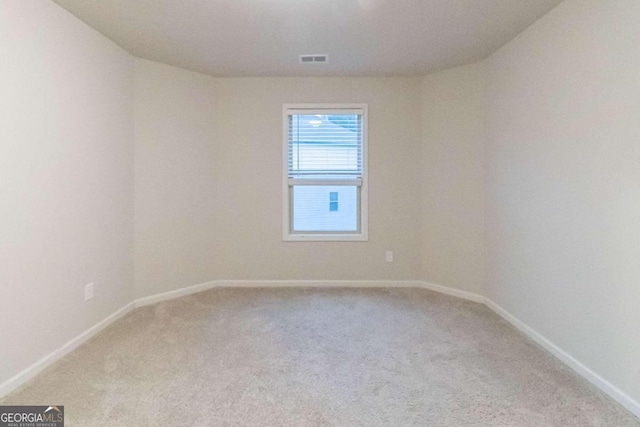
333,201
325,163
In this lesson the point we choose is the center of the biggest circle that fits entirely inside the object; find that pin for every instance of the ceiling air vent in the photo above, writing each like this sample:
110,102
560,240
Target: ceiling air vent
313,59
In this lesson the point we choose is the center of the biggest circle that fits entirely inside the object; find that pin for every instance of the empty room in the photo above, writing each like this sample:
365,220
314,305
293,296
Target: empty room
303,213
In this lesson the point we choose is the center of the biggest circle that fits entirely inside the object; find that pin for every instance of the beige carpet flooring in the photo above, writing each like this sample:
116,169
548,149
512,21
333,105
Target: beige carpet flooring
316,357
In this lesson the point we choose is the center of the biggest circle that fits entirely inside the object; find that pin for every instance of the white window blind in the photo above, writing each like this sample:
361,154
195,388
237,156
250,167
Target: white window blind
325,146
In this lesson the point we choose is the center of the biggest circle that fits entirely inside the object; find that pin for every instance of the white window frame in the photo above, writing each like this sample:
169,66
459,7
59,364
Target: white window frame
288,234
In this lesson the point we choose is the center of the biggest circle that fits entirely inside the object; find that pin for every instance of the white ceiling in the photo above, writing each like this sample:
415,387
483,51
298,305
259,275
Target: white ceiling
265,37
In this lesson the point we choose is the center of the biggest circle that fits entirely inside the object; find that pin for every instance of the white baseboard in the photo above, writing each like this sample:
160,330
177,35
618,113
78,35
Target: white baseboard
618,395
470,296
22,377
595,379
307,283
165,296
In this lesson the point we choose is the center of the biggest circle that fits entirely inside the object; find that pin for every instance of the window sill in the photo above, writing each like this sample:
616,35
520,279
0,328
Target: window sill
325,238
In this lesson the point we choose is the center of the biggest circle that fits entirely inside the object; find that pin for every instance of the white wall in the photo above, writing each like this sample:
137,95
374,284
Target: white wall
453,132
66,174
209,180
177,176
563,183
209,171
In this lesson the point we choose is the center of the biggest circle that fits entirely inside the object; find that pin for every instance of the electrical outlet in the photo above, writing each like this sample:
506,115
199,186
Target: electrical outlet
388,255
88,291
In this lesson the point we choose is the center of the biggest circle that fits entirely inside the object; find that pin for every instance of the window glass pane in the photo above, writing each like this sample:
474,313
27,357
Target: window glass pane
311,213
333,201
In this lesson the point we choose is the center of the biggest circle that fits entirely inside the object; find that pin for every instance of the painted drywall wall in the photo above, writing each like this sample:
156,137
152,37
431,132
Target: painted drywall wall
176,178
563,183
209,180
66,174
453,132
